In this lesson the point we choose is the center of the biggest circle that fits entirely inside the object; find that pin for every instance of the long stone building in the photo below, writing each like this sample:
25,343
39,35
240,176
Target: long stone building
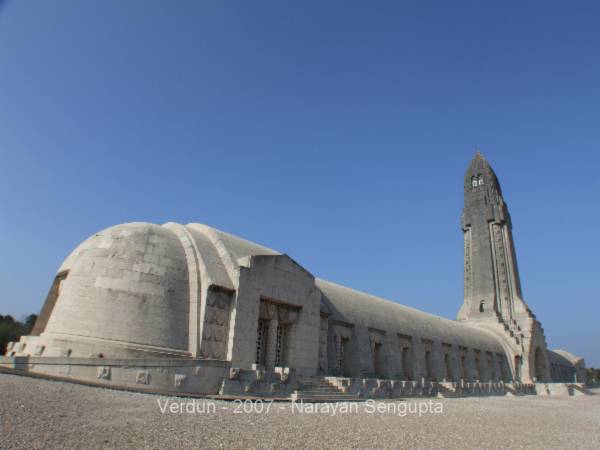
190,308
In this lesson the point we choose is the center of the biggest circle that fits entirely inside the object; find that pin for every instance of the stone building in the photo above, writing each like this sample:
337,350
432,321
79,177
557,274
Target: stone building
191,308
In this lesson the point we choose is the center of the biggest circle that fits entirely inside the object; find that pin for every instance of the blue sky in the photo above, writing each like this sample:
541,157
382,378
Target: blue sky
337,132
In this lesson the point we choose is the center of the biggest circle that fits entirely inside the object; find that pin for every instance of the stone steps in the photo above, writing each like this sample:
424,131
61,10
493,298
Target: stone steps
313,397
321,390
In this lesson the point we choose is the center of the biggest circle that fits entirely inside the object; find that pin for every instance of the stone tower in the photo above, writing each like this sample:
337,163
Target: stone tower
492,284
492,288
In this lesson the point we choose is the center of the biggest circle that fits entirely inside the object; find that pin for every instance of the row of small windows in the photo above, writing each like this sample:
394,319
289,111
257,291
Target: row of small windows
477,181
482,366
466,364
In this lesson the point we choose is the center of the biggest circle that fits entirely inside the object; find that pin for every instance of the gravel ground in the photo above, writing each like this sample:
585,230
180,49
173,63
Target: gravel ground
38,413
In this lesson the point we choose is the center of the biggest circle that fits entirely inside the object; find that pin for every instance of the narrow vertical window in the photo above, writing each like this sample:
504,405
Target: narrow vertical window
448,366
428,365
279,348
406,369
260,342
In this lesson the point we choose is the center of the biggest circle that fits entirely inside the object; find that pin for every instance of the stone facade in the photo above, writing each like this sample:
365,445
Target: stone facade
194,309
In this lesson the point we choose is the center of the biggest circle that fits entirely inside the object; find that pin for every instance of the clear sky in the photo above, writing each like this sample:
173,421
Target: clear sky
336,132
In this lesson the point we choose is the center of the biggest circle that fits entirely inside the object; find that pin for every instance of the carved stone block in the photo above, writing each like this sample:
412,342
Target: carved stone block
103,372
234,373
180,380
142,377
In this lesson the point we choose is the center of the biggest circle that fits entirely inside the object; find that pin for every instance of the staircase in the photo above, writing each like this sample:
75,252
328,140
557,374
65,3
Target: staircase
318,389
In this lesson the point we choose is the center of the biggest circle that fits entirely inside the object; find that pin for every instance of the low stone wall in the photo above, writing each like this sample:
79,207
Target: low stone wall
179,376
378,388
278,383
214,377
571,389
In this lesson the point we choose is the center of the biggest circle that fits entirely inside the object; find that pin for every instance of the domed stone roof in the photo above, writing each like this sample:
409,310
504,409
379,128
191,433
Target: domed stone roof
127,284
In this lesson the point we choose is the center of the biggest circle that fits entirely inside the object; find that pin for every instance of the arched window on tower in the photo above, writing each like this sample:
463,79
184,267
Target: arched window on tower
474,182
480,180
482,306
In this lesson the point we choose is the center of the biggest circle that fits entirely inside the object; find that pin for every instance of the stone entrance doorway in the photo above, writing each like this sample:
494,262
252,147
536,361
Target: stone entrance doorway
274,334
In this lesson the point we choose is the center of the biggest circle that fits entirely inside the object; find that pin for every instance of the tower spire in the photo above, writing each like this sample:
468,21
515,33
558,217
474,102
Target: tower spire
491,276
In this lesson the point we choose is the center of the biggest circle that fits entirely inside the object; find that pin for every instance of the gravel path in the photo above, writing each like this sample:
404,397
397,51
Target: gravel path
40,413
